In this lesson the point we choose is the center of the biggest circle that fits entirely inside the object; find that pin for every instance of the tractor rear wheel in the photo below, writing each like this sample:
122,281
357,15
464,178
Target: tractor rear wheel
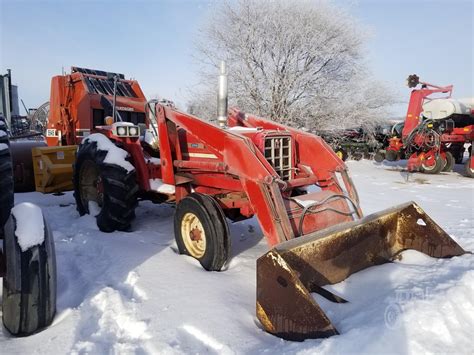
435,168
449,162
107,191
29,282
6,176
201,231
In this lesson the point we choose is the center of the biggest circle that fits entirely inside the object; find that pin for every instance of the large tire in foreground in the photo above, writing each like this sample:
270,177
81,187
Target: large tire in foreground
29,284
6,176
449,162
109,188
201,231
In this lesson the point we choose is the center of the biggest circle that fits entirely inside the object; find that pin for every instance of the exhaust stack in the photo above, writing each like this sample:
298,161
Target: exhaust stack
222,96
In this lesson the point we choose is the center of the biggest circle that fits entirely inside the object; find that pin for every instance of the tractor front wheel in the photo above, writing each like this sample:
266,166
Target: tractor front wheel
201,231
107,191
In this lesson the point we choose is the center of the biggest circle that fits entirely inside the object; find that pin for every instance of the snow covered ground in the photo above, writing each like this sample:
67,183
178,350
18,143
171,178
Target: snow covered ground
132,292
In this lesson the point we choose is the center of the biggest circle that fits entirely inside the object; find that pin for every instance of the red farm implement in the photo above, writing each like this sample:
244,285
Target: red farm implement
435,131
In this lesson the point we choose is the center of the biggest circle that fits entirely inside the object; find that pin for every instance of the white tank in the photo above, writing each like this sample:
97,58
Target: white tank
439,109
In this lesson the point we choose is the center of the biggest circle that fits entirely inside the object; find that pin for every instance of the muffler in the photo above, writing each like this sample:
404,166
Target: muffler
290,272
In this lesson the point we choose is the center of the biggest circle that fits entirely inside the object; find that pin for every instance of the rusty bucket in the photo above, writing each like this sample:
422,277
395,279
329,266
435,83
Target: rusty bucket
287,274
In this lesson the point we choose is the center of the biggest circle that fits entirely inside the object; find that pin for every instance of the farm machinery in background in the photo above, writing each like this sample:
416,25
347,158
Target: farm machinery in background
435,131
80,102
300,191
356,143
24,133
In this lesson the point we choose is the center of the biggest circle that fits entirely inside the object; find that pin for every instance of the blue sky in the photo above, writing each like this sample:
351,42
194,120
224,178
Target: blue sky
153,41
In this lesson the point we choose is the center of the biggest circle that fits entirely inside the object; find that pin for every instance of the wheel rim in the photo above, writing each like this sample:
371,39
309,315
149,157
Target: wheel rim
90,184
193,234
339,154
429,167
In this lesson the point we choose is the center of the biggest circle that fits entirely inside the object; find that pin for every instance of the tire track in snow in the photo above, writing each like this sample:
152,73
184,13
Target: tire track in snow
109,323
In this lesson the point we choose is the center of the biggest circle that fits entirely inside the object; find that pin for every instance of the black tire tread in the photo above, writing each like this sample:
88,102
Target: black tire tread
29,286
449,162
120,190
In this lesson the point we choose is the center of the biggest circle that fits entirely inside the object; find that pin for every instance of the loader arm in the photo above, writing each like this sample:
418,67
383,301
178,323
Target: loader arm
281,217
240,159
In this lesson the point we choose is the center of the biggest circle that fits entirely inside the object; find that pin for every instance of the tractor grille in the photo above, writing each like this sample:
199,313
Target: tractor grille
277,151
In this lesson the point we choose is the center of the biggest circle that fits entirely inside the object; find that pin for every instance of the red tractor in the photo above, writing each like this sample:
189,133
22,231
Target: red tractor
291,181
435,131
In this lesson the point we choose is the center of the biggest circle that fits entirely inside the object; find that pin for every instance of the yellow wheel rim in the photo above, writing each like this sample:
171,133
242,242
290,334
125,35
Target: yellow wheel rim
193,235
339,154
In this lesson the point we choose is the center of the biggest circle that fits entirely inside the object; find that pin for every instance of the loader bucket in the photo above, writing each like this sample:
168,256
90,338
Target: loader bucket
287,274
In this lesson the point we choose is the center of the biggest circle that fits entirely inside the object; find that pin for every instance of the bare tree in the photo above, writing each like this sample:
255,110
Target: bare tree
297,62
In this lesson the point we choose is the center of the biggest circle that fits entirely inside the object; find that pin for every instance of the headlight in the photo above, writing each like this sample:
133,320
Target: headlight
126,129
133,131
121,131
